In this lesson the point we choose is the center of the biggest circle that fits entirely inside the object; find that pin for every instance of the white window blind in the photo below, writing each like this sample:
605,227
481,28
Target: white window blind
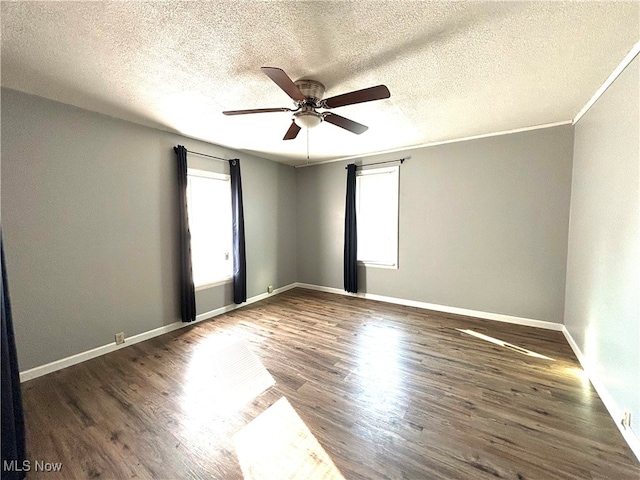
209,206
377,216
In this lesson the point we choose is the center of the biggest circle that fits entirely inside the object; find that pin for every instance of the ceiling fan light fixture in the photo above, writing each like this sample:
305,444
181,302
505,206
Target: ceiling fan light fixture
307,119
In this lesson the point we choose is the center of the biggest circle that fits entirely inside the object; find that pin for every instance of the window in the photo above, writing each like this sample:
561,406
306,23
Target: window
377,216
209,206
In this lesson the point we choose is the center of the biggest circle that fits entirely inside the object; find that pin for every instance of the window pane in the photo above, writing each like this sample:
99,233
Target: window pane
211,231
377,216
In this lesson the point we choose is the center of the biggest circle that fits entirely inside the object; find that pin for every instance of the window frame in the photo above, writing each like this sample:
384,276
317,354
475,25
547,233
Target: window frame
395,171
197,172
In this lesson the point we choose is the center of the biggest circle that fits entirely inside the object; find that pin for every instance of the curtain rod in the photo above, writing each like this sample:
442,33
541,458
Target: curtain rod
211,156
401,160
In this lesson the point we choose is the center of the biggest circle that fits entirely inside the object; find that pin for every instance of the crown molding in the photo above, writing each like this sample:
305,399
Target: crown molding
633,53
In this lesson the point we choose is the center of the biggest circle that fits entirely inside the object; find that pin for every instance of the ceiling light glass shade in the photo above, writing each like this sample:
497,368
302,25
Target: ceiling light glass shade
308,119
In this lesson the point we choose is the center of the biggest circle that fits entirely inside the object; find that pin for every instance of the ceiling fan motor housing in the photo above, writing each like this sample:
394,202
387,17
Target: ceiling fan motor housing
312,90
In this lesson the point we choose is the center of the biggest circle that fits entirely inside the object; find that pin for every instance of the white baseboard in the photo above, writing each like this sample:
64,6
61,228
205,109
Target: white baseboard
611,405
441,308
141,337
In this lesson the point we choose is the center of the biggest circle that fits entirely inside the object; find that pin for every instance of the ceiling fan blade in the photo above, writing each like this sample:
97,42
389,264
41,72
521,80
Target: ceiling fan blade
292,132
345,123
284,82
359,96
257,110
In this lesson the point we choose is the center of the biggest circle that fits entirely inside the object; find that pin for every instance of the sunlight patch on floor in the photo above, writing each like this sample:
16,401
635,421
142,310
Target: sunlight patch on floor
223,376
580,374
278,445
378,359
504,344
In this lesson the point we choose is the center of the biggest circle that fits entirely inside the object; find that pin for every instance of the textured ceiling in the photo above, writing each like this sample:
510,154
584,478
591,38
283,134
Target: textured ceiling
454,69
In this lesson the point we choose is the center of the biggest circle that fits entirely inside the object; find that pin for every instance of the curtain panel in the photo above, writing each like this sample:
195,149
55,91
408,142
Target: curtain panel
13,433
350,234
239,256
187,288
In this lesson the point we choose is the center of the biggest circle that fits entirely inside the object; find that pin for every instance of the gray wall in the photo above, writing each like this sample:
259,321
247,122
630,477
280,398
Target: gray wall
483,225
602,310
89,226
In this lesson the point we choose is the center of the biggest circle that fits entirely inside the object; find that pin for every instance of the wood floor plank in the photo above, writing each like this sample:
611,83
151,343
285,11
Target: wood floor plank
388,392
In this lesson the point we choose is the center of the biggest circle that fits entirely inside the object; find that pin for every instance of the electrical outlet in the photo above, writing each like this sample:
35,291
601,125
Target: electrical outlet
626,419
270,289
119,338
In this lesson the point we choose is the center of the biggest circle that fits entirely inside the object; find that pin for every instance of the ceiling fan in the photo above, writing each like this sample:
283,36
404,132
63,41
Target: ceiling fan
307,95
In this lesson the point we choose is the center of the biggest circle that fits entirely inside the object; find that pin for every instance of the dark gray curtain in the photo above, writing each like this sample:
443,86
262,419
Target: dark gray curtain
350,234
187,289
239,258
13,439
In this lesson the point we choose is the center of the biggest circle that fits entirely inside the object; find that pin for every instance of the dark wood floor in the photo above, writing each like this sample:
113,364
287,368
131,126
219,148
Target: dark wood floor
362,389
